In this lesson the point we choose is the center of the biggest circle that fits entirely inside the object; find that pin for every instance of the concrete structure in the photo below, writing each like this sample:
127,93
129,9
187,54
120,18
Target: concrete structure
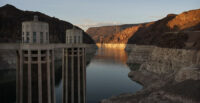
74,69
35,70
35,65
74,36
35,32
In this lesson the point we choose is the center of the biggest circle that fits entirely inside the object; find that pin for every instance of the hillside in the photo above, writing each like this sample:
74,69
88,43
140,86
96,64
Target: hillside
11,19
105,32
173,31
122,36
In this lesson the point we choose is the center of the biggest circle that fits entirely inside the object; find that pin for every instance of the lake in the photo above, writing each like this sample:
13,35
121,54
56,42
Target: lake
107,76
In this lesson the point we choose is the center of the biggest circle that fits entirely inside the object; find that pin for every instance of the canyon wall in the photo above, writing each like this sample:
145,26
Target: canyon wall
168,75
113,34
165,73
173,31
162,60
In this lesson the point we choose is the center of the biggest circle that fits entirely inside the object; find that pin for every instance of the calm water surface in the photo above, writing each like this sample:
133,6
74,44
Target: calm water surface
107,75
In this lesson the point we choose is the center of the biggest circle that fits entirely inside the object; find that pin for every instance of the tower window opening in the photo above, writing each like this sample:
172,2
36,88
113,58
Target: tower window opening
25,52
34,52
34,37
79,39
43,58
43,51
47,36
41,37
67,39
74,39
70,39
34,58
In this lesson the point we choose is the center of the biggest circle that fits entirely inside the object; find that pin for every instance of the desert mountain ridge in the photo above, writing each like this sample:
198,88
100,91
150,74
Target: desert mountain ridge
173,31
12,17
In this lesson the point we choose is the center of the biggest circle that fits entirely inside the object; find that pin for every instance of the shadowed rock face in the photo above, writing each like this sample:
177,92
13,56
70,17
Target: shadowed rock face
11,20
172,31
168,75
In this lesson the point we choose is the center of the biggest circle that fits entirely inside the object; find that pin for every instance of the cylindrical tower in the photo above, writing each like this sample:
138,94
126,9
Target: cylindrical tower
74,36
35,32
35,72
74,69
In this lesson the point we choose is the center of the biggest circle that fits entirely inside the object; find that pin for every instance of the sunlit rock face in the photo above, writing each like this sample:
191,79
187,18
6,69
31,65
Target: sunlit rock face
113,34
173,31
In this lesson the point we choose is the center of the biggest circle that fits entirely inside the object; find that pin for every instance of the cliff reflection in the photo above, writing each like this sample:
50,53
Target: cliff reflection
110,54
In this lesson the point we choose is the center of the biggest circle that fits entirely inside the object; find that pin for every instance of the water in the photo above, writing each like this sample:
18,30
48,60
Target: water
107,75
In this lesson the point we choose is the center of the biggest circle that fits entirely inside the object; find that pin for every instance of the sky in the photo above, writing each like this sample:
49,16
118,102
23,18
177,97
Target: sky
93,13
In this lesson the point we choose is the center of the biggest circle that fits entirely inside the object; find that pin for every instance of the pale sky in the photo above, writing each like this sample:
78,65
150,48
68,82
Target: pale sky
90,13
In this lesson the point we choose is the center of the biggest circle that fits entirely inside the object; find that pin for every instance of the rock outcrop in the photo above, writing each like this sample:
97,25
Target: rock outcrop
122,36
173,31
11,20
168,75
188,73
113,34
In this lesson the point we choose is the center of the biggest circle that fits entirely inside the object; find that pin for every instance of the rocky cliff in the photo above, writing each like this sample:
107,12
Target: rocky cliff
11,20
122,36
112,34
173,31
168,75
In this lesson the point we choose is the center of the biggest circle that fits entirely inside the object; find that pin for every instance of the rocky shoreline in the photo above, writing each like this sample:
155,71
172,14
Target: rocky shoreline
168,75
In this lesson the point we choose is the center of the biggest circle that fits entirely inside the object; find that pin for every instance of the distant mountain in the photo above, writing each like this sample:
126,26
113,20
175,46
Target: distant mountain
106,32
122,36
173,31
11,20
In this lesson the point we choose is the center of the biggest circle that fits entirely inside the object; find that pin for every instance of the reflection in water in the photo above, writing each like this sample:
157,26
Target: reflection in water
107,75
111,55
7,86
74,73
